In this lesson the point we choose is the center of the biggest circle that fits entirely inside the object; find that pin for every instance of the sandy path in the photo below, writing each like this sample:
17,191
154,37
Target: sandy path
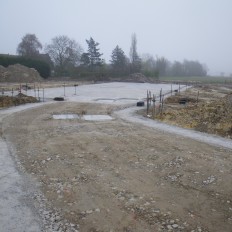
15,211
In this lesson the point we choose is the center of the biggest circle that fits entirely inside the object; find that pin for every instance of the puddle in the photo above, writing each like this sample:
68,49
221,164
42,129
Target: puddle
98,117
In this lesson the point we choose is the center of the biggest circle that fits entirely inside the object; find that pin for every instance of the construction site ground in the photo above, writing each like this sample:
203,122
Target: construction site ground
118,175
206,108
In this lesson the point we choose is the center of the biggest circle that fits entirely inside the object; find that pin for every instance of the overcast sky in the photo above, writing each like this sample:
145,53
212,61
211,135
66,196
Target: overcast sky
176,29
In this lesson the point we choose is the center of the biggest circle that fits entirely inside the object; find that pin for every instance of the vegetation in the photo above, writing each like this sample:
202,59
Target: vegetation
119,62
41,66
92,58
29,46
203,79
66,57
134,57
65,54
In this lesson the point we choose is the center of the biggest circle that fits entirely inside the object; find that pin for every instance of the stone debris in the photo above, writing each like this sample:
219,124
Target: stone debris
209,180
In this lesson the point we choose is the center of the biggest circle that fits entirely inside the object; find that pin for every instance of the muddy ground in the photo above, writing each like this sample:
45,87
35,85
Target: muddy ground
119,176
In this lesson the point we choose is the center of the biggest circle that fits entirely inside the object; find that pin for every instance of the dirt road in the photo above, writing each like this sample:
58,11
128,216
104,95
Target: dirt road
118,175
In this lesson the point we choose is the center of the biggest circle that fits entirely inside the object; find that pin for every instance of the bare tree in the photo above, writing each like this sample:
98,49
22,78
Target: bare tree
29,46
64,52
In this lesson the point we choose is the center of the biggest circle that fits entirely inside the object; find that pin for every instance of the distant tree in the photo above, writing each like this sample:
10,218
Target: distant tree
118,58
177,69
64,52
194,68
29,46
162,65
188,68
85,61
92,58
134,57
149,66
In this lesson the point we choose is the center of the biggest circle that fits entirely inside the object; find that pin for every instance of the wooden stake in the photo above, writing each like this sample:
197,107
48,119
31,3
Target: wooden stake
197,96
161,95
153,109
147,102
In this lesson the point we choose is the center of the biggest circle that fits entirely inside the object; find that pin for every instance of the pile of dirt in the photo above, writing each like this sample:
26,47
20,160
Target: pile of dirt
138,77
7,101
214,117
19,73
178,99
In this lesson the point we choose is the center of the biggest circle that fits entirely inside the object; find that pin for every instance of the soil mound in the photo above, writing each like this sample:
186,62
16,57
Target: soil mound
213,117
19,73
139,78
7,101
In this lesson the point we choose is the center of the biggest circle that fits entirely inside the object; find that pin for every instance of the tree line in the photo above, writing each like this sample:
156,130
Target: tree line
66,57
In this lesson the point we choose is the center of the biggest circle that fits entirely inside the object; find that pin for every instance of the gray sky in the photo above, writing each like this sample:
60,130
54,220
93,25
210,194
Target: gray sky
176,29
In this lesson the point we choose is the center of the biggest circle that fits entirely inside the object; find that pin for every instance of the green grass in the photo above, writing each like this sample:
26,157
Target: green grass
207,79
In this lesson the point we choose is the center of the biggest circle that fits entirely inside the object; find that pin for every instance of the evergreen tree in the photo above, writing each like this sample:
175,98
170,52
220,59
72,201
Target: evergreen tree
85,59
92,58
118,57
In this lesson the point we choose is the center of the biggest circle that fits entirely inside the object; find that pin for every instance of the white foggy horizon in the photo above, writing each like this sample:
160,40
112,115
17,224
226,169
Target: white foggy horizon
175,29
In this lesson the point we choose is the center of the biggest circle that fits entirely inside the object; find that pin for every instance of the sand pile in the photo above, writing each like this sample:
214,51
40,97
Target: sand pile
19,73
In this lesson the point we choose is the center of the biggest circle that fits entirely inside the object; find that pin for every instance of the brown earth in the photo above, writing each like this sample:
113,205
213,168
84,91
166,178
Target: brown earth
7,101
210,111
119,176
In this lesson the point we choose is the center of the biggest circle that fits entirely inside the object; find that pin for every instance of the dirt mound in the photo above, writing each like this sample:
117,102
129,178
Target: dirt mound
178,98
213,117
6,101
138,77
19,73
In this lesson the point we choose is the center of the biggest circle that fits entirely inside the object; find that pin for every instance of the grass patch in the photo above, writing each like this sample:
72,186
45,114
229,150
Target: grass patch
206,79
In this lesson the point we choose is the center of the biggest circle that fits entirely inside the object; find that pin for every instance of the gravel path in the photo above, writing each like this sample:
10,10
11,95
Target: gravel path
15,211
130,115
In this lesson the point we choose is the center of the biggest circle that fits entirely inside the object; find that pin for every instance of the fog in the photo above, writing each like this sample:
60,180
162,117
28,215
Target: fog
176,29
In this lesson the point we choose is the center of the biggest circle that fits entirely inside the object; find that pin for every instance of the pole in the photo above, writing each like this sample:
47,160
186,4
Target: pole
43,94
38,93
153,111
160,94
147,102
35,90
64,89
197,96
162,105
